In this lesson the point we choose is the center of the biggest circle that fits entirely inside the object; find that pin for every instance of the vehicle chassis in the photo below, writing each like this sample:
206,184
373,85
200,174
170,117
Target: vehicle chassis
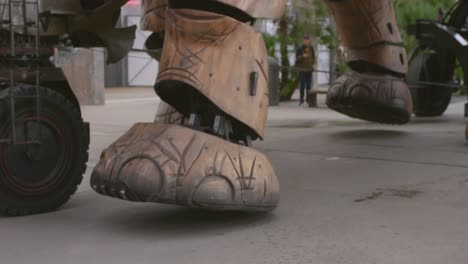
430,79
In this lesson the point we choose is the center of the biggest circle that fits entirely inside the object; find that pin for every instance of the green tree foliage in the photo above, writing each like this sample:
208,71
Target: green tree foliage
408,11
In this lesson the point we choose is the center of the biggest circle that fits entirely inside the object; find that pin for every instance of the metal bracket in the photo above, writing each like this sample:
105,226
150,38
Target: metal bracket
253,83
194,120
222,127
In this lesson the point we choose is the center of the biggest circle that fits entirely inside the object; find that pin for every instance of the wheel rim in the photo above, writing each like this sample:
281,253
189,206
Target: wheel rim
31,169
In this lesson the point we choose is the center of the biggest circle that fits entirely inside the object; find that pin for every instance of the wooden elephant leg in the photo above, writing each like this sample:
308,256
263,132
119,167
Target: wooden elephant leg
374,89
213,79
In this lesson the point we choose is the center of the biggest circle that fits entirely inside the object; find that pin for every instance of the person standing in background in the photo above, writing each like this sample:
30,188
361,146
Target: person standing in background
305,61
440,15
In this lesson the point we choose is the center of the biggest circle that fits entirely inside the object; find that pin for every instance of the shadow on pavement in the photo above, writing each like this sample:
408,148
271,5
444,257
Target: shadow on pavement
370,134
182,222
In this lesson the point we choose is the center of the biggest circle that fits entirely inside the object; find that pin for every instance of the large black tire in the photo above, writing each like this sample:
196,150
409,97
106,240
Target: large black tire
36,178
429,100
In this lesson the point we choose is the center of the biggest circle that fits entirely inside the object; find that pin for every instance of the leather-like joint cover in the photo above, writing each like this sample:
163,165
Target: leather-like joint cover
216,55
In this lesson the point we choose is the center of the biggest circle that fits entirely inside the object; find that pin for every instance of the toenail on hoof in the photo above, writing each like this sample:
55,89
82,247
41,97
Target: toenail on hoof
97,177
214,190
333,92
206,176
143,177
360,91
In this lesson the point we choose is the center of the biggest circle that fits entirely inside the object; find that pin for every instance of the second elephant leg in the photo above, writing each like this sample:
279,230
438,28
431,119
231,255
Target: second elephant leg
213,75
374,89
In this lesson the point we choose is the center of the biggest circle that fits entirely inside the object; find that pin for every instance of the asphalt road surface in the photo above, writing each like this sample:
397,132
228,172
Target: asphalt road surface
352,192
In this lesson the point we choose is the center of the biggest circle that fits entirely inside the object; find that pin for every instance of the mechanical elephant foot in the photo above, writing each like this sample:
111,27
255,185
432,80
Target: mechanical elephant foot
371,97
213,78
164,163
374,90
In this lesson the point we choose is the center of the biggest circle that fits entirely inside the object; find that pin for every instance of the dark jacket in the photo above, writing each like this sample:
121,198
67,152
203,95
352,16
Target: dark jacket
305,59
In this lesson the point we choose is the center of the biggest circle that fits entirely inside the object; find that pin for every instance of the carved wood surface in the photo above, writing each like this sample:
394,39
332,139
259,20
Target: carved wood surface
154,15
168,115
375,98
369,31
216,55
362,23
172,164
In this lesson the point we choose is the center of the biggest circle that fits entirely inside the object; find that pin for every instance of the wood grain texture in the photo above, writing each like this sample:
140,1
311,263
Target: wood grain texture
215,55
362,23
375,98
153,15
392,58
176,165
369,31
168,115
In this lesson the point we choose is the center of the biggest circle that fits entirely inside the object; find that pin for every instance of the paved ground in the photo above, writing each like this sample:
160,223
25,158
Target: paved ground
352,192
